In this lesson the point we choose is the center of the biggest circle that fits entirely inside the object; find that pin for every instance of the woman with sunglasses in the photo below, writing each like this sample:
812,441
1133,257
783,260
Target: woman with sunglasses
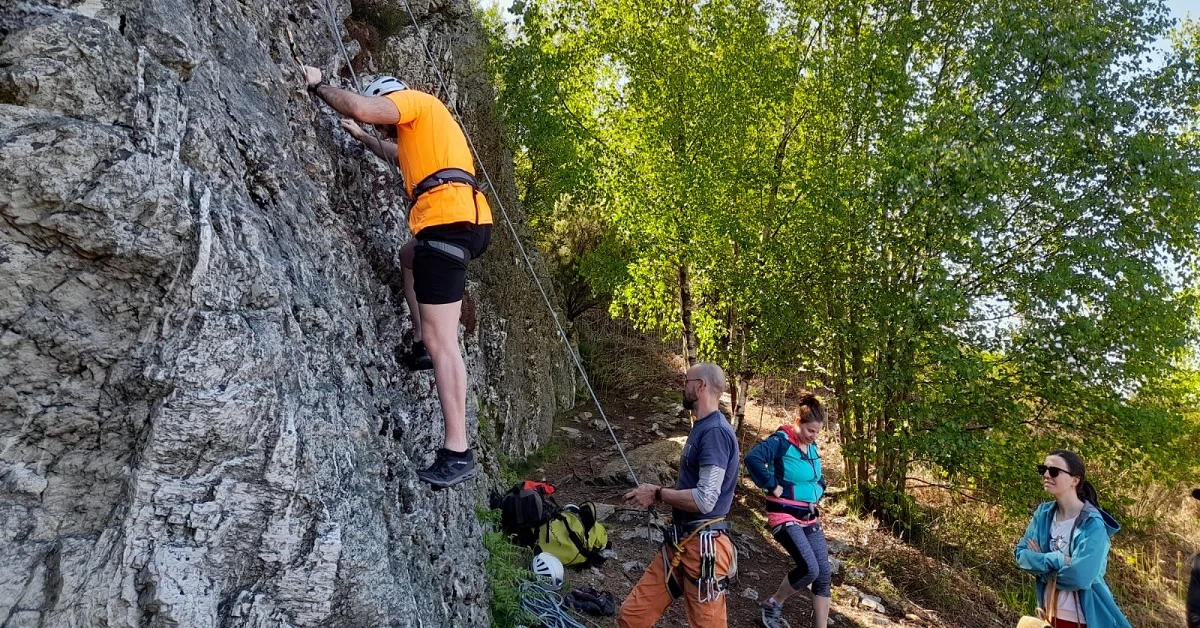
1068,539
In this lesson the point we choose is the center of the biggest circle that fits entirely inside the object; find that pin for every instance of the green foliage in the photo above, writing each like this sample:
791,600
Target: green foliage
1021,597
513,470
506,568
977,221
545,80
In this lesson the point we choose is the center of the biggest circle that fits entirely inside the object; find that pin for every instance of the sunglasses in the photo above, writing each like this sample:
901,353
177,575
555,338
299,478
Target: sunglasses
1054,471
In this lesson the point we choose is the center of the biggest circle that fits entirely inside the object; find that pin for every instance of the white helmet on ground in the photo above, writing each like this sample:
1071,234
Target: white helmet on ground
384,85
549,569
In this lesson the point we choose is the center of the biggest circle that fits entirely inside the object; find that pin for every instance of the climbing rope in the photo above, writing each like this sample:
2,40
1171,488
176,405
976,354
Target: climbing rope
520,248
547,605
331,21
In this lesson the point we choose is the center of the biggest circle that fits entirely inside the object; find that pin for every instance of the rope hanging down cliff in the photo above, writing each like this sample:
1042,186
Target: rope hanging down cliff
331,21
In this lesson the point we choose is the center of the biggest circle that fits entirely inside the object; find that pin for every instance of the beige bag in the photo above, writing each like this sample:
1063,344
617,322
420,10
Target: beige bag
1050,608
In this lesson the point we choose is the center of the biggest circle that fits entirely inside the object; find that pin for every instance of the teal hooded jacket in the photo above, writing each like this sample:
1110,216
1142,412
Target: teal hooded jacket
1089,561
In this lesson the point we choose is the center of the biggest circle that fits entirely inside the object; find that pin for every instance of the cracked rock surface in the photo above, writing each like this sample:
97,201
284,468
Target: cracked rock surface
202,421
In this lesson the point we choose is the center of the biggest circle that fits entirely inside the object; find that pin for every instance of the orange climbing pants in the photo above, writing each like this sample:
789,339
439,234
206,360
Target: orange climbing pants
650,597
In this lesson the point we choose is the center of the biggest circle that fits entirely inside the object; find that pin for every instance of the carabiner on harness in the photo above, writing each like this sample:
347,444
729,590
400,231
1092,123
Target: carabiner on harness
708,587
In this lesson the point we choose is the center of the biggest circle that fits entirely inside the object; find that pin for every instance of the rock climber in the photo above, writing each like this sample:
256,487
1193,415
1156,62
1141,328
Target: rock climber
697,554
451,223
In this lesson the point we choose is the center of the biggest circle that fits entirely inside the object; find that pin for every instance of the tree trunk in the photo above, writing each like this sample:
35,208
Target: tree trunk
734,401
685,312
738,390
858,412
743,389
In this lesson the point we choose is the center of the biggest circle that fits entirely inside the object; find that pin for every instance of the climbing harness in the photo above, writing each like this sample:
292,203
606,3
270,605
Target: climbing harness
446,176
442,177
452,250
804,513
709,588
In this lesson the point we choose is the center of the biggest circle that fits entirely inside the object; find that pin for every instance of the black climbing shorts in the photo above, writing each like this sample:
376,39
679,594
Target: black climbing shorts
440,260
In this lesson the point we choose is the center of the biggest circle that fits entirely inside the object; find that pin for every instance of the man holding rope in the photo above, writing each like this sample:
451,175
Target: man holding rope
697,556
451,223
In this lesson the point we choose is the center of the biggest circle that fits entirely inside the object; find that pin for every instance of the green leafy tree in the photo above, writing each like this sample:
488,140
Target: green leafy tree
976,222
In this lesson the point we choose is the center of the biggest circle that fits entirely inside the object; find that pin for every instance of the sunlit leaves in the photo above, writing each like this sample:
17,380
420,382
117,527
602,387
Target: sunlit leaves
977,221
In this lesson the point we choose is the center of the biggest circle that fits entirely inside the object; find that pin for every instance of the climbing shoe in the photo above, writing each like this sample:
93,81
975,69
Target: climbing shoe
417,358
772,615
449,468
590,601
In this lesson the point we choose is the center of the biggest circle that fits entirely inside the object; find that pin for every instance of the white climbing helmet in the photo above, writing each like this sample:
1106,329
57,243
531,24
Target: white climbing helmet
384,85
548,568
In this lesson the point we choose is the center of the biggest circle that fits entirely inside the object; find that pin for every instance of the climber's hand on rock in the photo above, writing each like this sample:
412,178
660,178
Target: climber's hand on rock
351,127
312,75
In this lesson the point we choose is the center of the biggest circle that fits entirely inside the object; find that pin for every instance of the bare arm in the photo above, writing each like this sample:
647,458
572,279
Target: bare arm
362,108
701,499
384,149
683,499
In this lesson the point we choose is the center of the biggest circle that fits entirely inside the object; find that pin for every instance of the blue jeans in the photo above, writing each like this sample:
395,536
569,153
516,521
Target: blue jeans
806,545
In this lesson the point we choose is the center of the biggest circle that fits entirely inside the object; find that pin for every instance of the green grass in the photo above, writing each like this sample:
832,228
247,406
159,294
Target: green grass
505,566
513,470
1021,599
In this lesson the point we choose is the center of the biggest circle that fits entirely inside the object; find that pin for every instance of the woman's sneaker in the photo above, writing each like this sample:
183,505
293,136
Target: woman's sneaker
772,615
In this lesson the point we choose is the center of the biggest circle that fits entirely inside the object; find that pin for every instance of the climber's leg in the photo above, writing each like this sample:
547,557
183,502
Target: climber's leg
440,278
410,293
441,338
417,357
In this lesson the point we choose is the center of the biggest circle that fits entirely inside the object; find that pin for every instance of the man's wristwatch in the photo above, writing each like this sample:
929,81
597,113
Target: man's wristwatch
658,495
314,88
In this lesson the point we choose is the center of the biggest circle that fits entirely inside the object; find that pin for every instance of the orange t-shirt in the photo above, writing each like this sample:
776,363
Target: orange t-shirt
428,139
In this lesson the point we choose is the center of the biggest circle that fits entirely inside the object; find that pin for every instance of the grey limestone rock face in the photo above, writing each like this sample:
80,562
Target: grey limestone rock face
202,422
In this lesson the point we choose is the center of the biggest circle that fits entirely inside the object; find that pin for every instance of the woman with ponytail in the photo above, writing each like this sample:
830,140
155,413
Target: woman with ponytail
787,468
1066,547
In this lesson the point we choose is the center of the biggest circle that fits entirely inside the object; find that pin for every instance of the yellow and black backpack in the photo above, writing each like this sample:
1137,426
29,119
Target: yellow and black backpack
571,533
574,536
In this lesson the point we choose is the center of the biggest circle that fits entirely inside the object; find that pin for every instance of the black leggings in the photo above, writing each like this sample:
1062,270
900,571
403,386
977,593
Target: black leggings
806,545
